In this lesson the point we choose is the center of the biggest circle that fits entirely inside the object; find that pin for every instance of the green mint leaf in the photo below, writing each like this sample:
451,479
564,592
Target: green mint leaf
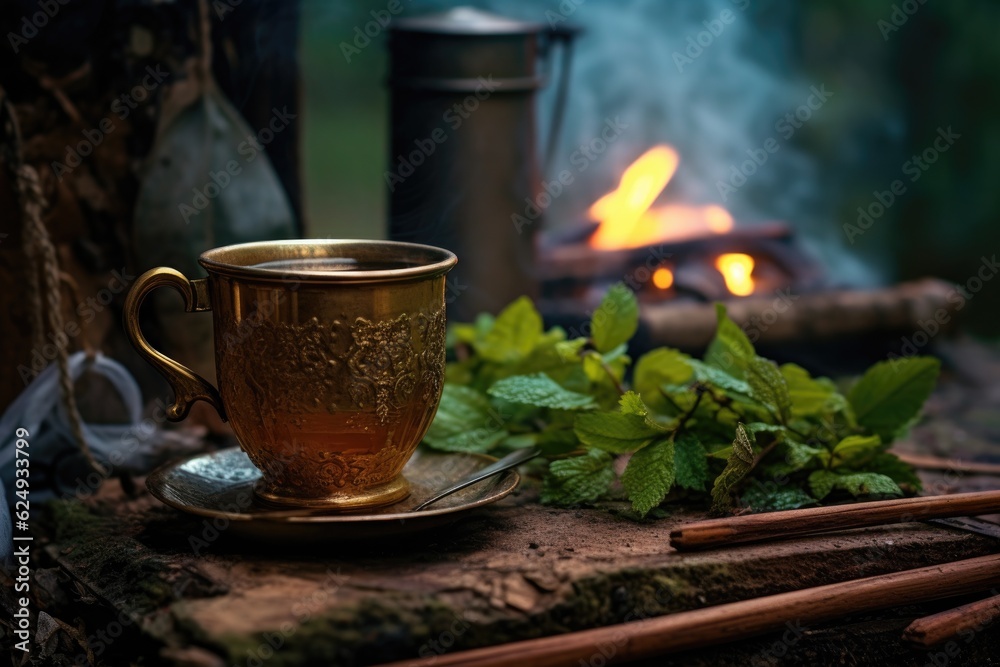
691,462
891,466
811,397
649,475
470,333
600,367
581,479
730,350
616,319
719,452
762,427
477,440
720,379
858,484
769,387
891,393
822,483
521,440
855,450
799,455
631,404
545,357
738,466
869,484
515,332
465,422
662,366
539,390
569,350
615,432
764,499
557,441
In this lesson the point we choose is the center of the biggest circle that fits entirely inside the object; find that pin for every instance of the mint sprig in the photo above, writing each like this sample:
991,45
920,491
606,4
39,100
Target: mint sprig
733,429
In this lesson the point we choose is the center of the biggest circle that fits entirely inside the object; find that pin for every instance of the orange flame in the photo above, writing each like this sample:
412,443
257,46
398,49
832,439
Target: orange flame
663,278
736,269
629,220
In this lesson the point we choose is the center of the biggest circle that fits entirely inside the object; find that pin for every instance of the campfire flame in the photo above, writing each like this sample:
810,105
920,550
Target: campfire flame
663,278
736,268
628,219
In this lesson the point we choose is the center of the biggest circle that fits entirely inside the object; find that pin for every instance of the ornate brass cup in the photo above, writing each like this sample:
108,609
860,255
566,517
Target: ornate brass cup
329,359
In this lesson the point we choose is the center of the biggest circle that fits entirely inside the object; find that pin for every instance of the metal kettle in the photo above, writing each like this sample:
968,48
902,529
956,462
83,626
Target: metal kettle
464,165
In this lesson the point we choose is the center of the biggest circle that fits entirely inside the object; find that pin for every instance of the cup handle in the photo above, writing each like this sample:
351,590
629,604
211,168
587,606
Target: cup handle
187,385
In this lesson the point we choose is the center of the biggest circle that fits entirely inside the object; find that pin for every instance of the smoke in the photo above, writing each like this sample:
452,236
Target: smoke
715,79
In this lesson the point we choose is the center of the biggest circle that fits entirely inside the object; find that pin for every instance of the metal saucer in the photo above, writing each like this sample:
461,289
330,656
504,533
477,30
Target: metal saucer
219,485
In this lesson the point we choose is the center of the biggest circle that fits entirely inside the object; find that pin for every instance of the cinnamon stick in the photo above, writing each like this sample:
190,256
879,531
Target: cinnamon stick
790,523
971,618
926,462
730,622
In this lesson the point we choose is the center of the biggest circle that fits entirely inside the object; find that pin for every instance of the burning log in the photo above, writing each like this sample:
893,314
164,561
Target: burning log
815,316
669,250
680,258
575,258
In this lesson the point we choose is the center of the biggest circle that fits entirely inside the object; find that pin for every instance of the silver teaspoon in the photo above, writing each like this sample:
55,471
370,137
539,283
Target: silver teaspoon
512,460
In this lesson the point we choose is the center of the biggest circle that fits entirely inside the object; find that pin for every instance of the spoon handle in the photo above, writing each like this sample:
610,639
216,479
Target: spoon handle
512,460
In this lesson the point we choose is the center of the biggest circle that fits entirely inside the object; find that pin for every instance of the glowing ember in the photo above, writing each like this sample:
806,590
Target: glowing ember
736,269
663,278
628,220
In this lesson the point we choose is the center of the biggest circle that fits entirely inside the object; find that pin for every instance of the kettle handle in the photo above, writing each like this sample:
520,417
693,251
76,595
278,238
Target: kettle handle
564,35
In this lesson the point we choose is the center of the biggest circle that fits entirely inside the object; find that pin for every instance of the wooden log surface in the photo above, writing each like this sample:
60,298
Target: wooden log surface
811,316
732,622
518,570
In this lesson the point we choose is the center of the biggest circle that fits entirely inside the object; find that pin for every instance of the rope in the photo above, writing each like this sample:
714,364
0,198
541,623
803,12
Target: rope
44,295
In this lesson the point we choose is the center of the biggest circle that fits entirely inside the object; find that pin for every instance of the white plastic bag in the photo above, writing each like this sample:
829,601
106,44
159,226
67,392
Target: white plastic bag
40,412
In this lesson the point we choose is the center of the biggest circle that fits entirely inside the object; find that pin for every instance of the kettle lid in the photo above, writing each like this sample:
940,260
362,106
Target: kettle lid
465,21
